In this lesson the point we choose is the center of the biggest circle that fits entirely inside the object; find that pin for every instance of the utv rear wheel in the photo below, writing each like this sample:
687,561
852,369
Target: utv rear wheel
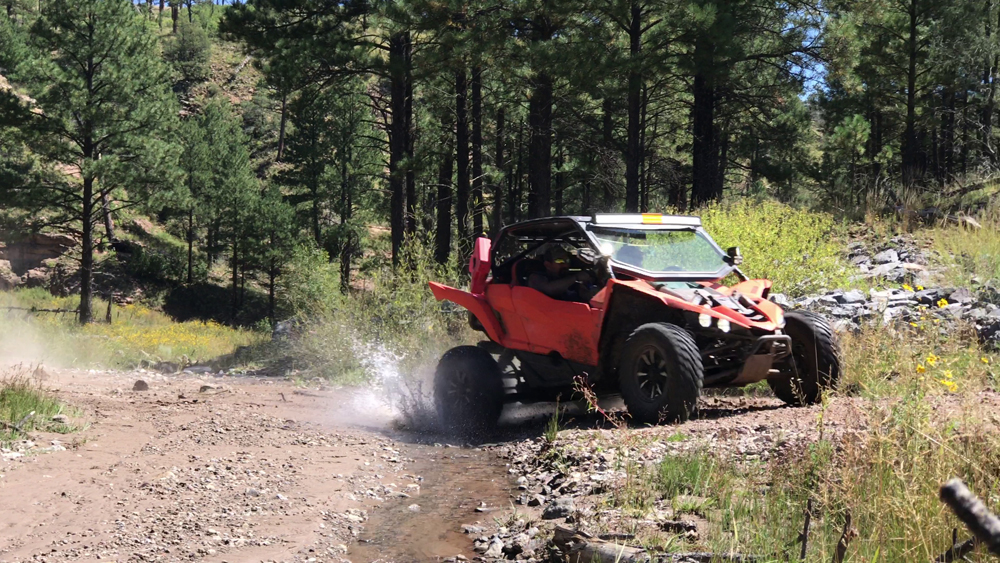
468,390
660,374
816,357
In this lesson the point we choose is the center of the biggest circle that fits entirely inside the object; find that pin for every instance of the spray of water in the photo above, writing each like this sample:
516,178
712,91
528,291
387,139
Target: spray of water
394,397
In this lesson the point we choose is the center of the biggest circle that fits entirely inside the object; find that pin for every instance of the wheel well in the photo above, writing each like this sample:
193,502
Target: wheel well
627,310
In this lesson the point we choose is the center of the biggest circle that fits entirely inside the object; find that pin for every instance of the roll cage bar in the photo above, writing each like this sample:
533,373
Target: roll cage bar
535,228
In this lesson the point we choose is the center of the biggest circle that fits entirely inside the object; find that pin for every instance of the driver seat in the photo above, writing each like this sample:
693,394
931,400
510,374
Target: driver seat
523,268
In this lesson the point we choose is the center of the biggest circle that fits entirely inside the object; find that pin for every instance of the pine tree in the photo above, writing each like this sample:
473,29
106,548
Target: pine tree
104,109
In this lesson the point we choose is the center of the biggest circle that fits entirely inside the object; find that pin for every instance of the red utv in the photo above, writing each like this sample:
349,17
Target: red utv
659,329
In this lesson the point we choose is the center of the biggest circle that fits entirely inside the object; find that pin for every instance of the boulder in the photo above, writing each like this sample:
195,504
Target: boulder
36,277
30,252
8,279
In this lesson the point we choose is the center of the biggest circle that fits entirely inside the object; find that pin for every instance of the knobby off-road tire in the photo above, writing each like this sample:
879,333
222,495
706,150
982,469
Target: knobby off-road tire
660,374
815,352
468,390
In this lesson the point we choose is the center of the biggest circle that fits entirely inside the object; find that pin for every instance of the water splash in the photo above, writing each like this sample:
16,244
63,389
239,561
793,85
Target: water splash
404,395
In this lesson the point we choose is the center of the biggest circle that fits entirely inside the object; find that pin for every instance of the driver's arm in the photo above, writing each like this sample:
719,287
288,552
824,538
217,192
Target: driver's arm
556,288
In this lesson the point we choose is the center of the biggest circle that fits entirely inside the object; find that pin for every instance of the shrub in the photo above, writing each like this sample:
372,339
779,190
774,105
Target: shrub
799,250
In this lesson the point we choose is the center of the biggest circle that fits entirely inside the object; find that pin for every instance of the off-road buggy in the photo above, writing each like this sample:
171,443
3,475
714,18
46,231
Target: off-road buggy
660,328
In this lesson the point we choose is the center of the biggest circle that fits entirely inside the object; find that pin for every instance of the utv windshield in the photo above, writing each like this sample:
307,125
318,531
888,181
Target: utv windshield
681,251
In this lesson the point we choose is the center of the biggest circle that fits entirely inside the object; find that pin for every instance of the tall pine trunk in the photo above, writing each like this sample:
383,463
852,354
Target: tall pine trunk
540,146
910,134
190,241
347,236
634,152
477,151
607,138
496,220
398,140
87,247
705,148
411,179
282,125
462,159
442,229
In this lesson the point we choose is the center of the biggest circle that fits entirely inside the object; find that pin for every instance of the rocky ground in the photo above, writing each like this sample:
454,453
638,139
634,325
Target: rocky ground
217,469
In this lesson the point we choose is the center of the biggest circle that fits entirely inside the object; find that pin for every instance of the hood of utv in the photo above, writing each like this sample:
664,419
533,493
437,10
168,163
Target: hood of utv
742,305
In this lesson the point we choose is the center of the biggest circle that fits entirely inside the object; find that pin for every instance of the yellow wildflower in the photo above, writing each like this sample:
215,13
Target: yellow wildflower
950,385
948,375
907,287
932,359
985,360
921,368
942,303
920,288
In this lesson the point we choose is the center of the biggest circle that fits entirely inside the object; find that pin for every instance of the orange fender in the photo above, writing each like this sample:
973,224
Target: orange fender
476,304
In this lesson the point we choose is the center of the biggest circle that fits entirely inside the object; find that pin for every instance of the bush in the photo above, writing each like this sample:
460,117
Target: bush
799,250
393,323
189,53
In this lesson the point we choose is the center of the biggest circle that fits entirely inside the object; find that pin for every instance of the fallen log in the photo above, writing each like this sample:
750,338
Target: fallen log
239,68
580,547
985,526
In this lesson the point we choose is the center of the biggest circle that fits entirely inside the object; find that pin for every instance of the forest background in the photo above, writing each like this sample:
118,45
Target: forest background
244,160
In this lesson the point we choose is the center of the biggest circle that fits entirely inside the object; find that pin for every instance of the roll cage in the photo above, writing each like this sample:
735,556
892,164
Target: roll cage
520,240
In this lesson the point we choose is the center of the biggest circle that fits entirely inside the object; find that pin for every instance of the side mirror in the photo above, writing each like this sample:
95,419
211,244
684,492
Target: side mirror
733,256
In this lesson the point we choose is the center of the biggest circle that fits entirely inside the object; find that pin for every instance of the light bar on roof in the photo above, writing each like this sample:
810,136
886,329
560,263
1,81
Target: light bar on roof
645,219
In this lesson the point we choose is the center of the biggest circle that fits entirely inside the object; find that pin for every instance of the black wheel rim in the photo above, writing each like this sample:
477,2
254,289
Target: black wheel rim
458,389
651,374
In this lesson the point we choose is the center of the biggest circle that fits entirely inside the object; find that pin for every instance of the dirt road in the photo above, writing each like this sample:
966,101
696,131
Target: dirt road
241,469
233,469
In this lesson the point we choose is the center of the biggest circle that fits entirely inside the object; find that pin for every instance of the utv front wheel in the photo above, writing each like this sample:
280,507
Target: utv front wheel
815,357
660,374
468,390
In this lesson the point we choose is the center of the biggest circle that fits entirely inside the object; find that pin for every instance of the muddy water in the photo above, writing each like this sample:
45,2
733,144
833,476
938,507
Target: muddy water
456,481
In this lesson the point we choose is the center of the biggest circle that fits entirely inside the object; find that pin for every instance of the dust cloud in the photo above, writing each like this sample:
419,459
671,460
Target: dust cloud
23,343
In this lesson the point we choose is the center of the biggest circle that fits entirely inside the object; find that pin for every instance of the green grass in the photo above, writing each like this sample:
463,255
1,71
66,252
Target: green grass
970,256
916,420
135,334
20,396
799,250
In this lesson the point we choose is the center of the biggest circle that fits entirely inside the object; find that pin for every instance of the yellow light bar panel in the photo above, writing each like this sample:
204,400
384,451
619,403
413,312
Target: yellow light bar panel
652,219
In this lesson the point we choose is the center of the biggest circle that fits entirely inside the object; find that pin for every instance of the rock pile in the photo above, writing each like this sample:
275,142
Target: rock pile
517,541
848,310
897,260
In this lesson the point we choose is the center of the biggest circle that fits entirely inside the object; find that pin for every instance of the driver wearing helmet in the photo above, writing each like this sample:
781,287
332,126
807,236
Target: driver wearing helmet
556,281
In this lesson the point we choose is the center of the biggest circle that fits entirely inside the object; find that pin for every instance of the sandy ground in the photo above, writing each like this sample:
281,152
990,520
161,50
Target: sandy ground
251,470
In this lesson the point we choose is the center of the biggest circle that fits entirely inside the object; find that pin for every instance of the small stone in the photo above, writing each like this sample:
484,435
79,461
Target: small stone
559,508
140,385
852,296
470,529
495,549
887,257
205,388
961,296
253,493
413,508
536,500
60,418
